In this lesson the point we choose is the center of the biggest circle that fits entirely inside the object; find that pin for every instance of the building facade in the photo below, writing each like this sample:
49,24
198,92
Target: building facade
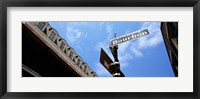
46,54
170,35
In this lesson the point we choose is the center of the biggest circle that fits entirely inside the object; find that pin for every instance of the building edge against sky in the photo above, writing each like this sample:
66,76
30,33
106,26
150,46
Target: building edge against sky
169,31
36,63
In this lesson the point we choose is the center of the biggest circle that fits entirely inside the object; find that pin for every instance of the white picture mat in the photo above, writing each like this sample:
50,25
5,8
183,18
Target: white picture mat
183,83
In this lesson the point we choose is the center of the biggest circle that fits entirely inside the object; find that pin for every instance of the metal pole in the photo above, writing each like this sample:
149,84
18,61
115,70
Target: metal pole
116,63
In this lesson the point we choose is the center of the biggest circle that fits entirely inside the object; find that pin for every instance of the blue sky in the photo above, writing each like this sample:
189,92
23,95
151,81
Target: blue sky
142,57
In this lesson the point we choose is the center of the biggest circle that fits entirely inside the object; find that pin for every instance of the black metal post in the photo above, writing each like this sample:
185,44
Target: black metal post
116,63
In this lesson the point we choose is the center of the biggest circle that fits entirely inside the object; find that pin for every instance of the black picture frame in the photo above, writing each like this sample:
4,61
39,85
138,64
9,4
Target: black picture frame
98,3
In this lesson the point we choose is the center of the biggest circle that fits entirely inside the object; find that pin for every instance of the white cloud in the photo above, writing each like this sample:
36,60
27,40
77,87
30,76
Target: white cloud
81,24
109,28
73,34
123,55
105,44
136,52
78,34
154,38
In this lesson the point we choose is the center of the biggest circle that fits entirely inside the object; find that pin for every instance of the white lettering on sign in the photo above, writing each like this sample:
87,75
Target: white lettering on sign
128,37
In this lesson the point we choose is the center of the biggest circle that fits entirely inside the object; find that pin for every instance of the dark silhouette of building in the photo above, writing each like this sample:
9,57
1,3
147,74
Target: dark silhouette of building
170,35
46,54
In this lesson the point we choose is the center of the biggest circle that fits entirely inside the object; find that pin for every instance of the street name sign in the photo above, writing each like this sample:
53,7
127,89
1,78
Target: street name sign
128,37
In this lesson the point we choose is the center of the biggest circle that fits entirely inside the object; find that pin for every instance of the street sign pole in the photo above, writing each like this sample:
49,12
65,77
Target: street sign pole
114,67
116,63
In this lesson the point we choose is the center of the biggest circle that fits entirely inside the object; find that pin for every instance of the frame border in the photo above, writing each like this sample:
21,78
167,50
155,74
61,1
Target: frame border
100,3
